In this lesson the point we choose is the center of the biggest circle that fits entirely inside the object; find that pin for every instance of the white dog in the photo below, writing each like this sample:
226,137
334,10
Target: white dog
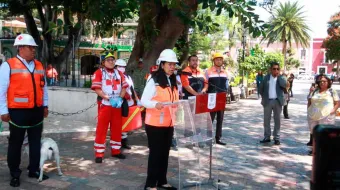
49,149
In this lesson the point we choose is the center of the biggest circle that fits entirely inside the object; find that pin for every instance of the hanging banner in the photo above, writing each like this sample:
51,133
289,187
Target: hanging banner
210,102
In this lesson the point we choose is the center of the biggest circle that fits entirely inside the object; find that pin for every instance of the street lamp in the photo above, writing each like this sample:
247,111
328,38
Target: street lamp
244,38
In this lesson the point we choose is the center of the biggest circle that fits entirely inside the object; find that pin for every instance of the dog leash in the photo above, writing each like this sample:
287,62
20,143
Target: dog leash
25,127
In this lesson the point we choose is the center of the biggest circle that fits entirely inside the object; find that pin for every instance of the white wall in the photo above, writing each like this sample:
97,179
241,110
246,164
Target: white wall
68,100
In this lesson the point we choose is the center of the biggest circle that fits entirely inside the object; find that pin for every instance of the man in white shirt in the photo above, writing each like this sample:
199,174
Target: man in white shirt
271,90
23,103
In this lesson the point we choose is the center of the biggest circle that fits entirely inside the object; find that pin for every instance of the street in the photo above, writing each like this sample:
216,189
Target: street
247,164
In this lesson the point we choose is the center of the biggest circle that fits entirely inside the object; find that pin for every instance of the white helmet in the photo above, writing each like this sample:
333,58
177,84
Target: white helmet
24,40
120,62
167,55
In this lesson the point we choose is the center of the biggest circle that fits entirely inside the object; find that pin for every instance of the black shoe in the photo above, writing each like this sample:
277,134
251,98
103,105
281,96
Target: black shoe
167,187
265,140
15,182
277,142
287,117
120,156
125,144
220,142
37,175
99,160
310,143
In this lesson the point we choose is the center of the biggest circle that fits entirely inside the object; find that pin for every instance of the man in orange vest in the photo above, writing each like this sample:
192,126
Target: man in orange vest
23,103
218,82
193,79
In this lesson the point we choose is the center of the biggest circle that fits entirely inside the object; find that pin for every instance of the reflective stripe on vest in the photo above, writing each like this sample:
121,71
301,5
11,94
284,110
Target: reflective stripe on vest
219,80
25,88
161,118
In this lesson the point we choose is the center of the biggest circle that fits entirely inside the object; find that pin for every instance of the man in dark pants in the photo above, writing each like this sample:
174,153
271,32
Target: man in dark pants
218,82
23,103
291,80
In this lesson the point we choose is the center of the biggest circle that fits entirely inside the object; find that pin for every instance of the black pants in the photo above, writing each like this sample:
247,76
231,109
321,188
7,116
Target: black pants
24,117
219,123
285,110
159,139
291,90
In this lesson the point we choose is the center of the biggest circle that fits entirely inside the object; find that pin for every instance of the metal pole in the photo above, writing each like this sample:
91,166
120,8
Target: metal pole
243,53
74,83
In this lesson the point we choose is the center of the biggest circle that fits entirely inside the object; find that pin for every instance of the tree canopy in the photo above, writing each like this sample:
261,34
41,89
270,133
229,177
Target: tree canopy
286,25
332,42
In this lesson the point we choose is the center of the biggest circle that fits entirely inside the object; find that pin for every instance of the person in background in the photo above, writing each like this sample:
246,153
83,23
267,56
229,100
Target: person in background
138,76
193,79
130,96
23,102
110,85
0,62
291,80
259,79
271,91
52,75
217,78
160,88
323,103
286,98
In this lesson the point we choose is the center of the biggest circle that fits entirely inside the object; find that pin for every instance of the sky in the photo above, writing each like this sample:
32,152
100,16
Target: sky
317,13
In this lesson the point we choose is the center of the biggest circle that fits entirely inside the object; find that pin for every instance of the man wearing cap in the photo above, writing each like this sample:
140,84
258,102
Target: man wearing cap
218,82
23,103
138,76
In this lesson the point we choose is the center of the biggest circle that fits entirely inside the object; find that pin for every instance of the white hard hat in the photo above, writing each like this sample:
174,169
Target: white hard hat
167,55
24,40
120,62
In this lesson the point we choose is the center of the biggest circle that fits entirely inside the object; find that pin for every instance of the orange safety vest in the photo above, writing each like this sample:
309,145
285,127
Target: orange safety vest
26,89
161,118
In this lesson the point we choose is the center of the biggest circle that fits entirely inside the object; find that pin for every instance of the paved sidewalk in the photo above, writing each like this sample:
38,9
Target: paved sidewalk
246,163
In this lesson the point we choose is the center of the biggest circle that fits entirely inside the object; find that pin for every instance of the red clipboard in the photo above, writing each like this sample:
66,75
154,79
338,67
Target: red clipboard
202,103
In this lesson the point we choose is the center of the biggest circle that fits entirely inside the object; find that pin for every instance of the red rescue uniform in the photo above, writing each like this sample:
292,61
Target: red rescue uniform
111,83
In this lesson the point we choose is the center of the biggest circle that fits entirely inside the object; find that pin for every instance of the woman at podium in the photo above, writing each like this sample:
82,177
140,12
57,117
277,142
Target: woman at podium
161,88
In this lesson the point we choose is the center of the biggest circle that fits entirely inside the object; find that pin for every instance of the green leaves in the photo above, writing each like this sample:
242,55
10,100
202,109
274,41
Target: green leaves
332,42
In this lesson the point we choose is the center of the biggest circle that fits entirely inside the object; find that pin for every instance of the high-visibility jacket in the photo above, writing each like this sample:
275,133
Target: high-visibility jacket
26,89
217,80
196,81
161,118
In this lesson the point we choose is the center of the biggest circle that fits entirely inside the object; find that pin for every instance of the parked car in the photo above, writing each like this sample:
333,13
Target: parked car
305,76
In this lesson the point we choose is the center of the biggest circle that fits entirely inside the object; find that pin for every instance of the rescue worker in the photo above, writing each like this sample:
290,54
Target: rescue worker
138,77
193,79
110,85
160,88
130,96
23,102
218,82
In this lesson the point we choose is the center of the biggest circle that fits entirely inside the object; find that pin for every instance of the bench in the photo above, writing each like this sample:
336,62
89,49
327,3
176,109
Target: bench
233,94
250,91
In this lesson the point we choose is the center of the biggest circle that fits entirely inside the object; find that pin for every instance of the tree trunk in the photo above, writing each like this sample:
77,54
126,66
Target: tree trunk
185,46
158,29
284,52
